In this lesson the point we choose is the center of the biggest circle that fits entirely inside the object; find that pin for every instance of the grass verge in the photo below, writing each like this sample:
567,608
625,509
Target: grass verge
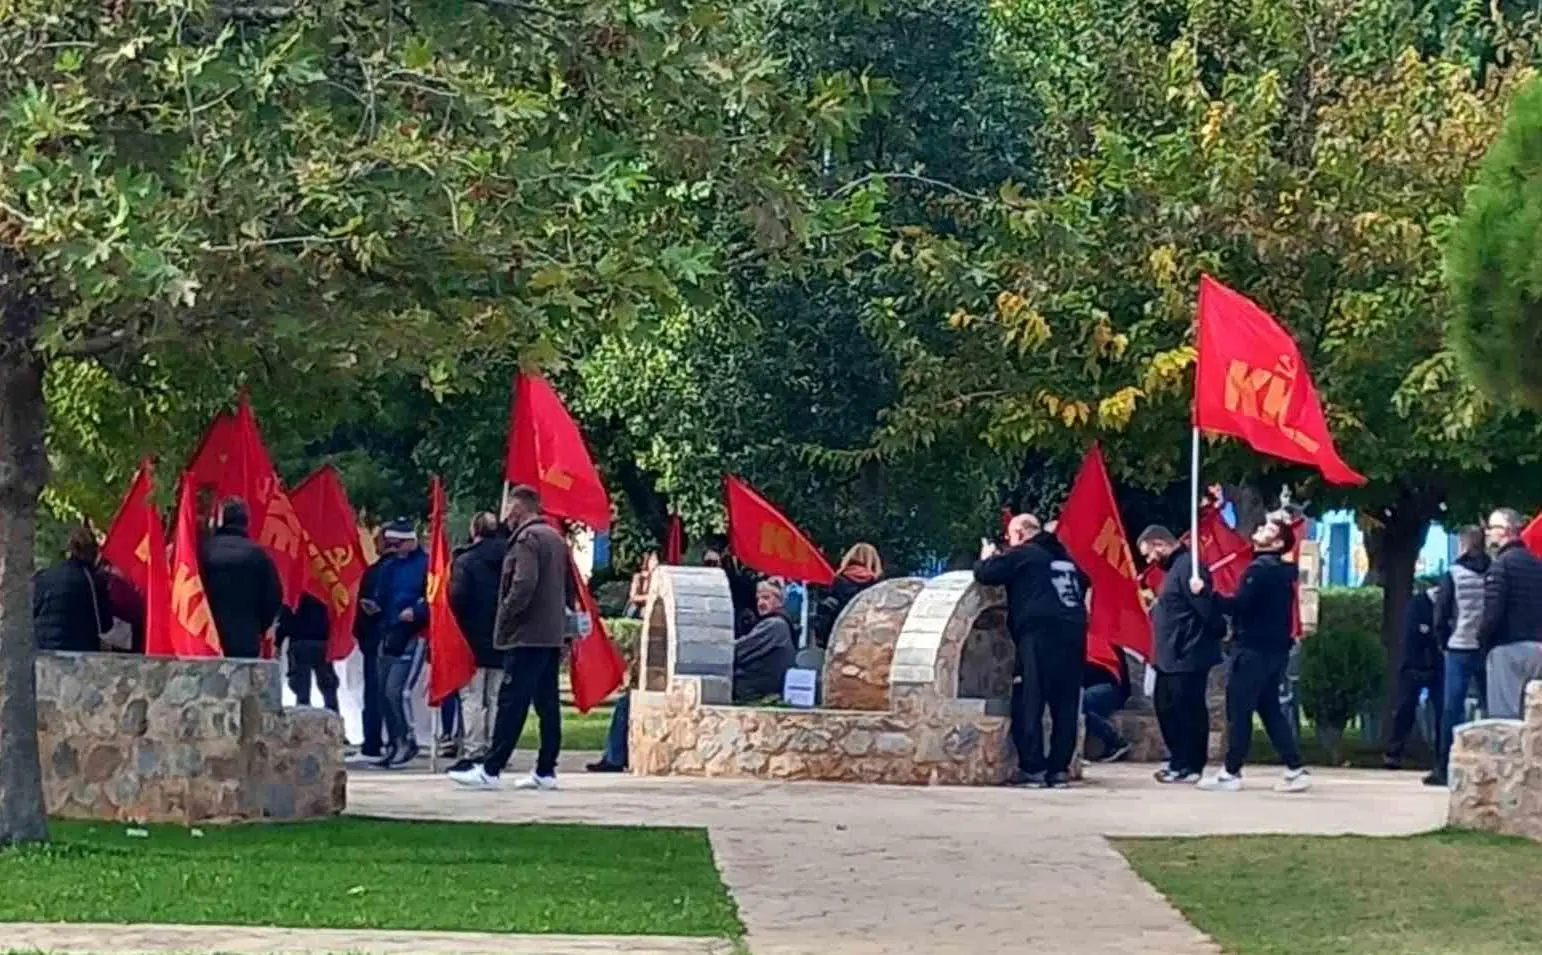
376,874
1446,892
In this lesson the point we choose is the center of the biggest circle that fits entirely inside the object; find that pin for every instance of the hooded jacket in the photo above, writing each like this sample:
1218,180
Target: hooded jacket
1043,584
243,589
1187,628
401,583
1459,602
474,595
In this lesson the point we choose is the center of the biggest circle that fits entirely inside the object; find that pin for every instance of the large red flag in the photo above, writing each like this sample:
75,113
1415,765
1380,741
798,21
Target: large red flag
1532,536
547,452
451,662
674,541
336,558
596,667
1251,383
764,539
233,460
1223,550
127,545
1091,530
189,621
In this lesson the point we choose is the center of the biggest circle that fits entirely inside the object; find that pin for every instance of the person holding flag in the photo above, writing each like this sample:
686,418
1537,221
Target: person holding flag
242,583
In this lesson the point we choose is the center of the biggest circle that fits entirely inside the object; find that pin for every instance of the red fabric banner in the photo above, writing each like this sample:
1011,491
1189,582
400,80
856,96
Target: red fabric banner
1226,552
127,545
1006,520
674,541
189,622
597,668
1251,383
1532,536
765,540
1091,530
451,662
335,555
547,451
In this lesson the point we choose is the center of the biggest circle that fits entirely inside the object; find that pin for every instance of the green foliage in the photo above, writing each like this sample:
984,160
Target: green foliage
1493,259
1343,665
626,633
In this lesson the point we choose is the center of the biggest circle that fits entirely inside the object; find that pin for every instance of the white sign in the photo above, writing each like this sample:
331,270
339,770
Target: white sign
798,687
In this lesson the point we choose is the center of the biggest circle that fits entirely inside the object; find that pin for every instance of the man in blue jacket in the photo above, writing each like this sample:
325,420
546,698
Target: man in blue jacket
400,593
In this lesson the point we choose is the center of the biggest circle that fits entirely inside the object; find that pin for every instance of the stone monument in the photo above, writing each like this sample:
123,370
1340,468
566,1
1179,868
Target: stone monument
1496,773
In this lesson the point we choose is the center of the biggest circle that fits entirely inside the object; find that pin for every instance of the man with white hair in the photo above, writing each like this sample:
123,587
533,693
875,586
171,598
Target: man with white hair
763,656
1511,631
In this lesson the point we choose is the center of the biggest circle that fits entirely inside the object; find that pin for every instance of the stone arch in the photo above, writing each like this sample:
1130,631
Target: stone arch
860,655
688,630
950,615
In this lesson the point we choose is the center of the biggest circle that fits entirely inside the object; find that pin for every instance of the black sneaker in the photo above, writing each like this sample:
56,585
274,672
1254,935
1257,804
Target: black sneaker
1435,779
1057,780
604,767
1391,762
1176,777
406,755
387,757
1116,754
449,749
1026,780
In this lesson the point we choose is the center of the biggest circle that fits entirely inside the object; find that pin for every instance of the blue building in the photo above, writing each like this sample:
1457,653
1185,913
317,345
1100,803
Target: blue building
1344,559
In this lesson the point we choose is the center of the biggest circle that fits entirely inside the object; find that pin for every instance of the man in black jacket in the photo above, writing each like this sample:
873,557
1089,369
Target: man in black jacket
305,631
1047,619
474,600
1420,671
241,583
70,609
1260,614
1187,630
1511,632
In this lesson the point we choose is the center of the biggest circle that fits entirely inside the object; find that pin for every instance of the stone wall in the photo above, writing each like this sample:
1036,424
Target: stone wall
1496,773
861,650
163,740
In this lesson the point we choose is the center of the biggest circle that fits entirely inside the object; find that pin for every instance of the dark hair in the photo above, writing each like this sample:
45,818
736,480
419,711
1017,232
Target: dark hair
234,514
81,545
1156,534
1471,539
485,524
528,497
1285,534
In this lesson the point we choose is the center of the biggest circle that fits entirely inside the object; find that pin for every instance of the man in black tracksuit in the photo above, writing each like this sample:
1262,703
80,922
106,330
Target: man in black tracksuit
1047,618
1187,629
1260,614
305,629
241,583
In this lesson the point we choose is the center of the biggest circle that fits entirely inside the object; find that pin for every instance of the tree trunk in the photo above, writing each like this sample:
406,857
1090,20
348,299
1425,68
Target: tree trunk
23,471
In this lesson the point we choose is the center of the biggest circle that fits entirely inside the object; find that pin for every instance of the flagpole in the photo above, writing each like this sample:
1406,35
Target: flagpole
803,613
1194,505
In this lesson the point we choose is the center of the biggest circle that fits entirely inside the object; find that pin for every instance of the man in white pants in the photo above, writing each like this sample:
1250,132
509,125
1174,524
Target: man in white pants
1512,616
474,600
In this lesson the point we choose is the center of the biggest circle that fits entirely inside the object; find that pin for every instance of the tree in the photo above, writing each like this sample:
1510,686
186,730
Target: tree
324,194
1312,155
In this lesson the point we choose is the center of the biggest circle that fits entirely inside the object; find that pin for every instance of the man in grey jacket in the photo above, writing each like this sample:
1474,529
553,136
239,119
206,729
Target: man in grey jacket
1458,618
531,626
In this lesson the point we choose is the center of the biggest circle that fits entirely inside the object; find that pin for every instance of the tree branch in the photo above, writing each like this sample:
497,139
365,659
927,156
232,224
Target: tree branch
908,177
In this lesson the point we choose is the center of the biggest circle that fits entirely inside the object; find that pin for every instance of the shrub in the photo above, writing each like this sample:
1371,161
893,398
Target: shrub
1343,664
626,634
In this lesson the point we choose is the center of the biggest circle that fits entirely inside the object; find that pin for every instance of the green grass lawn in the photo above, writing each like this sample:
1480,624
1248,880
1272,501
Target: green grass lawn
580,731
1447,893
378,874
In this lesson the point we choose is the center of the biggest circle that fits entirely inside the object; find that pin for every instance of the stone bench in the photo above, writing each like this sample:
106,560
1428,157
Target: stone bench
1496,773
155,739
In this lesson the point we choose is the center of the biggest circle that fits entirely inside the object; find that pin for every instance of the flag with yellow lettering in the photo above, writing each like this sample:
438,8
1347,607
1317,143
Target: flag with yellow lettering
547,452
335,555
127,544
1251,383
1091,530
765,540
451,662
189,620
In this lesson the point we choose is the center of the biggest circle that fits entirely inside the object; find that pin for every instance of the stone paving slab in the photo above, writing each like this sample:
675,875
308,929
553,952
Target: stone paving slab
156,939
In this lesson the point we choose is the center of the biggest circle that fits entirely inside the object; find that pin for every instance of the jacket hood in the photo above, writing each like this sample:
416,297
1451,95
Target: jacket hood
488,550
1171,559
1477,563
1050,543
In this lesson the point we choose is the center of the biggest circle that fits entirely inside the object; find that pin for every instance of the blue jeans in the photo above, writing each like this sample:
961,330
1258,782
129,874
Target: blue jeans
615,741
1462,668
449,717
401,673
1098,704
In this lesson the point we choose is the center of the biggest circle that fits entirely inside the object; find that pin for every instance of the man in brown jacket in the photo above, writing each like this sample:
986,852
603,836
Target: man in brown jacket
531,626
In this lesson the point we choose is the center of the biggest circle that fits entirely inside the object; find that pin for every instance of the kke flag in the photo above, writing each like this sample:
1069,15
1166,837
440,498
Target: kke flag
596,666
547,452
232,460
765,540
674,541
336,558
1250,383
451,662
1532,536
1221,549
1091,530
189,622
127,545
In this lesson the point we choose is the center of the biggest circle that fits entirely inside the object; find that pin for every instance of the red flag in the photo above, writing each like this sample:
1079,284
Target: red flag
189,623
1532,536
1251,383
597,668
1091,530
767,541
547,452
1298,526
1223,550
336,558
127,545
674,541
1006,520
452,664
233,460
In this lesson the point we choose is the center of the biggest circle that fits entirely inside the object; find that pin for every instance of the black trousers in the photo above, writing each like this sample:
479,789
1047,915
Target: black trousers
308,661
1184,718
1050,657
1253,686
1410,683
374,690
529,677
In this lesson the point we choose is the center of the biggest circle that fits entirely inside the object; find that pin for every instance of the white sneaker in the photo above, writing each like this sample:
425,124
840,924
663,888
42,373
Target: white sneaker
543,783
1294,781
475,777
1221,782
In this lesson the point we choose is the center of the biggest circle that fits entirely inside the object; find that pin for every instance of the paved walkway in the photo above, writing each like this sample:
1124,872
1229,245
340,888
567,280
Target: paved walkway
867,870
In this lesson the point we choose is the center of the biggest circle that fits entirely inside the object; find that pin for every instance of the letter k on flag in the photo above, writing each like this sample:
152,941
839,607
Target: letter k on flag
1250,383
